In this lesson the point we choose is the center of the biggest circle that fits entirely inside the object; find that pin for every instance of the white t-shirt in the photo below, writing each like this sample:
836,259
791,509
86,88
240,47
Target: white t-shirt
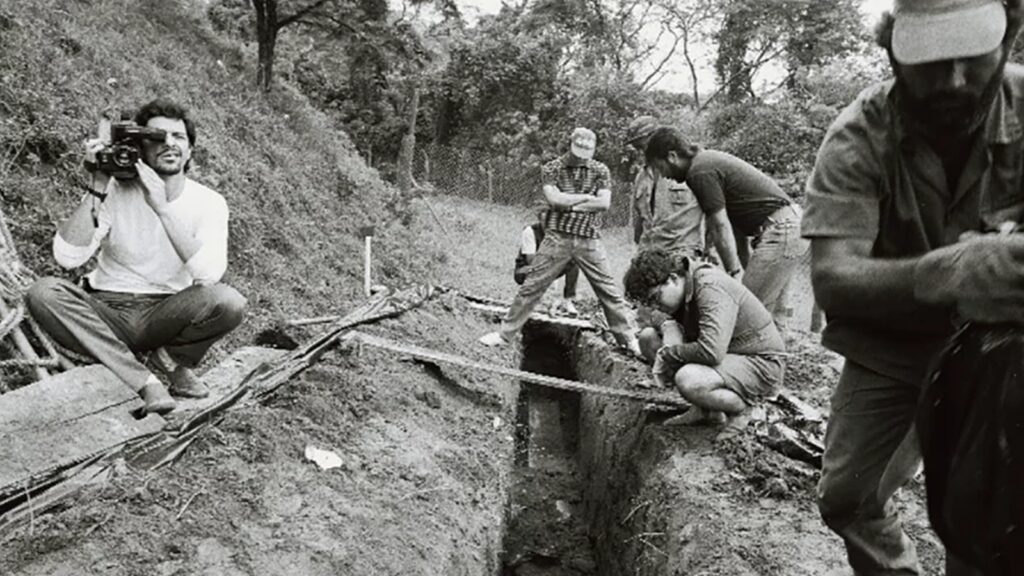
136,254
528,241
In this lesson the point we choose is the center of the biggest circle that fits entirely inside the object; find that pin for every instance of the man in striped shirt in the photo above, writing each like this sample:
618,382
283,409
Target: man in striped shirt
577,190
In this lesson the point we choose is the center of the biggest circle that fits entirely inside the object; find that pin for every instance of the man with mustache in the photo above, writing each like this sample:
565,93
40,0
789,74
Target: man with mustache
153,304
906,182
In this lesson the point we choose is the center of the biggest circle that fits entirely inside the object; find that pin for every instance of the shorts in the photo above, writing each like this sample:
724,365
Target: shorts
752,377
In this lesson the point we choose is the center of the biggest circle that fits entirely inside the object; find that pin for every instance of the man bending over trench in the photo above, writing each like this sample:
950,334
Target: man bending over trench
719,347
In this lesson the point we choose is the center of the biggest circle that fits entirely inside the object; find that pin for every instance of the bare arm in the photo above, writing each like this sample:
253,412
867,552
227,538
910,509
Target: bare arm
599,203
560,200
725,240
848,282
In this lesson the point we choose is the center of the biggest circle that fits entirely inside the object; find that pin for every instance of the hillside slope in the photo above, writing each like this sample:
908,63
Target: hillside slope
296,187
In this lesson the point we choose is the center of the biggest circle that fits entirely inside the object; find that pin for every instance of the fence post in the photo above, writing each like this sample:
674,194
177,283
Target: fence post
490,184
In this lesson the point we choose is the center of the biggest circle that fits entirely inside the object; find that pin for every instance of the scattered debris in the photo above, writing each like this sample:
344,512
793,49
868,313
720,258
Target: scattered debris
325,459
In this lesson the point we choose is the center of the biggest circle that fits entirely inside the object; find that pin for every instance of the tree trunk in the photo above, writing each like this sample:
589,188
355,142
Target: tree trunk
266,38
407,153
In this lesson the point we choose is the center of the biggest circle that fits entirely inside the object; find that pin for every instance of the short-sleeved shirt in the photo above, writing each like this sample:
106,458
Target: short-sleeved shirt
877,181
720,180
573,176
667,215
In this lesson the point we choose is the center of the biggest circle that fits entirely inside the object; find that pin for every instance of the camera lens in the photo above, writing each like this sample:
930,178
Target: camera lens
125,155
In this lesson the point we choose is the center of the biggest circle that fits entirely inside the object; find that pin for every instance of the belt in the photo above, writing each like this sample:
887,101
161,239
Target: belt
784,214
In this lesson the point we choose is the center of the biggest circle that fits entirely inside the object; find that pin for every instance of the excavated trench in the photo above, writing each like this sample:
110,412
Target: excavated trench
566,490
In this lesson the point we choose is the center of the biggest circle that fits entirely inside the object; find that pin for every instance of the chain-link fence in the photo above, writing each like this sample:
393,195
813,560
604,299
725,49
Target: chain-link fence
471,174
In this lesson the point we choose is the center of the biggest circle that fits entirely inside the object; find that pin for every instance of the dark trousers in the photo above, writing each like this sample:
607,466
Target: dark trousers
114,327
870,451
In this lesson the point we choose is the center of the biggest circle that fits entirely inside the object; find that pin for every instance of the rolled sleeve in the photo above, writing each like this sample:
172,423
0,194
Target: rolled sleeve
844,189
69,256
208,264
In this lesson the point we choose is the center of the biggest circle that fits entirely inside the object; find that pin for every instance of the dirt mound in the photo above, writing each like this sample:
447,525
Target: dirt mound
421,489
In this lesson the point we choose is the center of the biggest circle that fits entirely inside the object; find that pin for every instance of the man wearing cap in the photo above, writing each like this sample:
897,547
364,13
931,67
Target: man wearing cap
577,189
742,205
666,214
909,178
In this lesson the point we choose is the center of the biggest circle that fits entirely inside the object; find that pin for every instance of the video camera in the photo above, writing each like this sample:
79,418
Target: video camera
119,157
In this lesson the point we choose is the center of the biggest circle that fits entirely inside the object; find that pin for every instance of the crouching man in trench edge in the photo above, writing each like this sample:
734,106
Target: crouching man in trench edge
719,347
153,304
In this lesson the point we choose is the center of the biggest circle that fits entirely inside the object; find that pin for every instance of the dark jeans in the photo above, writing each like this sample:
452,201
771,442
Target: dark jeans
114,327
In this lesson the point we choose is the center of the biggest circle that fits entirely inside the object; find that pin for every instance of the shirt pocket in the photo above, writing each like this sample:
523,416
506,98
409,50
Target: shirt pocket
1003,199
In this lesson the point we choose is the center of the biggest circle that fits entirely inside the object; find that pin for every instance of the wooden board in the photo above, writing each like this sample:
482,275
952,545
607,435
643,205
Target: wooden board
64,419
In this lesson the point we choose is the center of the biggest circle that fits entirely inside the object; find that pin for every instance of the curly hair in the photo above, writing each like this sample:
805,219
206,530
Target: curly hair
651,268
167,108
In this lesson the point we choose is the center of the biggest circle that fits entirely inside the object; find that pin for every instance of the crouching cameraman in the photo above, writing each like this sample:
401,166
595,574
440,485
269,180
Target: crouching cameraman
153,304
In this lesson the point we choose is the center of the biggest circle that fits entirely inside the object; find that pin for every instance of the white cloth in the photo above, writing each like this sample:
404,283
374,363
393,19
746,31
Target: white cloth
528,242
135,253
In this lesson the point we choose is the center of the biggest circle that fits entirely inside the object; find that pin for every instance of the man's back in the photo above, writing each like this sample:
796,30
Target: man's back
721,180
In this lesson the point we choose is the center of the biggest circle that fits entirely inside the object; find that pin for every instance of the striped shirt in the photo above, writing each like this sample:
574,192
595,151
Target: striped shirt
576,177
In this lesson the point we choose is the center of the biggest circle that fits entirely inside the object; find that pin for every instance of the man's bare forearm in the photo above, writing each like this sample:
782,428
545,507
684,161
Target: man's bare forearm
867,288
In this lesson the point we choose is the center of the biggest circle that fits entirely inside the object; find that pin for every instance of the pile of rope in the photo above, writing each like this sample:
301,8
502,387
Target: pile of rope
15,279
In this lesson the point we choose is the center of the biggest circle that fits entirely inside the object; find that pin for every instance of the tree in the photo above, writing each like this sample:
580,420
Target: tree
268,25
804,32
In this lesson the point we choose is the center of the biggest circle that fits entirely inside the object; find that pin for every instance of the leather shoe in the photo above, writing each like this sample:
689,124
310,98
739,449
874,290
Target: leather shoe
184,383
156,398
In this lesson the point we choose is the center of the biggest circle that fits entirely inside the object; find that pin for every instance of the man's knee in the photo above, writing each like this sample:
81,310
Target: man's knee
650,342
228,304
838,501
695,379
45,295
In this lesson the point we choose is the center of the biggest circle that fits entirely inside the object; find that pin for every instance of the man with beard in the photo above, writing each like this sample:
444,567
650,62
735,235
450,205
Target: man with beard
744,208
154,293
907,179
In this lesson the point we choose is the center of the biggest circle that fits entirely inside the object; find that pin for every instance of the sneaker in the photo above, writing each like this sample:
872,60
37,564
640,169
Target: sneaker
492,339
185,384
569,308
157,400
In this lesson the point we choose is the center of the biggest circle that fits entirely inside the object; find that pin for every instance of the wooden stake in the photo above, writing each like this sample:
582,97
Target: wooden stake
366,265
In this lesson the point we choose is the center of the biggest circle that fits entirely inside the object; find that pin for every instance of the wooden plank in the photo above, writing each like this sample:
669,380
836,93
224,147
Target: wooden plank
538,316
64,419
30,455
61,398
652,396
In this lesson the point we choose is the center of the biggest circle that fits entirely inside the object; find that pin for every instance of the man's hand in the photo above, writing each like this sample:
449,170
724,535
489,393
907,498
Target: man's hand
662,373
982,275
153,187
